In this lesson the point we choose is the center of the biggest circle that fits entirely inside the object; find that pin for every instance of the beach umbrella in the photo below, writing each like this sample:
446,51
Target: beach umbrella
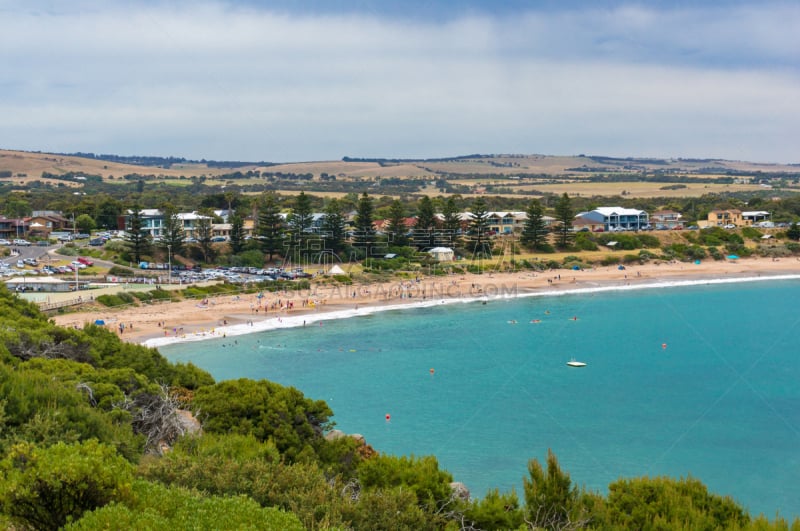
733,257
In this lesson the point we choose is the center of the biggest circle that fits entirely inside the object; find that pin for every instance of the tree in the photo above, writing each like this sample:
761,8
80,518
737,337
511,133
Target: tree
299,222
793,233
84,223
237,233
364,234
564,217
534,232
204,234
451,224
270,227
334,226
172,232
479,228
425,227
551,501
136,238
47,487
396,228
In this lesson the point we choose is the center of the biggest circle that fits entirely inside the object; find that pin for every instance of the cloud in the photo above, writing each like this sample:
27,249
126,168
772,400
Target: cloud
213,80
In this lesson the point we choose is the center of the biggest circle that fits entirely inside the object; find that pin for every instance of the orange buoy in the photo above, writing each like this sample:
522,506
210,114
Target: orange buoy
388,417
432,371
663,345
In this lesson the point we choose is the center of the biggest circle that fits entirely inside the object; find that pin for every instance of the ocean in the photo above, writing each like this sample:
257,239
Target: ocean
697,380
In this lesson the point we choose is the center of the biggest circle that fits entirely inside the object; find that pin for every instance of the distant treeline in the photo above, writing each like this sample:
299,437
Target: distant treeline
164,162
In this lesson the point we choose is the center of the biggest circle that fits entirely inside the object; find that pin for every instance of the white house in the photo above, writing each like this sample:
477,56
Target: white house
614,218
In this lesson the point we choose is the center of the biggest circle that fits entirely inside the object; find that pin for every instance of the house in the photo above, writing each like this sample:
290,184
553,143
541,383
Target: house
506,222
667,219
720,218
586,224
43,222
12,228
191,221
615,218
152,222
442,254
755,217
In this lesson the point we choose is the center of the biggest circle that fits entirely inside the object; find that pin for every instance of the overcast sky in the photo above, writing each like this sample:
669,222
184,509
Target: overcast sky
308,80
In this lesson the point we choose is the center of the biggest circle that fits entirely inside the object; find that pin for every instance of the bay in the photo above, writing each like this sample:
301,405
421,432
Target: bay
698,381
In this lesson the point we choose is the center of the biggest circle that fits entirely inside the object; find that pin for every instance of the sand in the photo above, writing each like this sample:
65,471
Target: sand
161,323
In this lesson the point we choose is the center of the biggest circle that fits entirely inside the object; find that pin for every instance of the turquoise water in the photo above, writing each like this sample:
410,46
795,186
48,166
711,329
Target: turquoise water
698,381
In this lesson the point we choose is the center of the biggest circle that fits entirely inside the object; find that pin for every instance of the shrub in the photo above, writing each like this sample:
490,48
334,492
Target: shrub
118,299
118,271
47,488
610,260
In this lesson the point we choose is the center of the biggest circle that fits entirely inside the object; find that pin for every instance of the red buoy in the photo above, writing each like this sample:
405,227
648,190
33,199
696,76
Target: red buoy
663,345
388,417
432,371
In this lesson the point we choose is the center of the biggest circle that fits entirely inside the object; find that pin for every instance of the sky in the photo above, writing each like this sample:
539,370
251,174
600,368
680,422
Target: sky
306,80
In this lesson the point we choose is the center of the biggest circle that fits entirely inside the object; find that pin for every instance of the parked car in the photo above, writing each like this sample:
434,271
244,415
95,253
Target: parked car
729,226
96,242
4,242
22,243
219,239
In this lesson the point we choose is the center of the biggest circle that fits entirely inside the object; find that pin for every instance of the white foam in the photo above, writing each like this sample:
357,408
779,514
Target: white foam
294,321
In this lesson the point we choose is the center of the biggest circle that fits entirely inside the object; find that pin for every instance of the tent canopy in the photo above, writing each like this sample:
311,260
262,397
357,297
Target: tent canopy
336,270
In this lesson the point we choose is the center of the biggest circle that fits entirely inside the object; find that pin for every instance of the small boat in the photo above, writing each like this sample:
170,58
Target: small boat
573,363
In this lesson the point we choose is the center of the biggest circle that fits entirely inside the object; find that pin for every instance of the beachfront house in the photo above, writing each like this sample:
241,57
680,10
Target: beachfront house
720,218
506,222
613,218
667,219
190,222
756,217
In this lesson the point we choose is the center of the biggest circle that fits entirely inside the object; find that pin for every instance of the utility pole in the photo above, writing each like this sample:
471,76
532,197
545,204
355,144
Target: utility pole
169,263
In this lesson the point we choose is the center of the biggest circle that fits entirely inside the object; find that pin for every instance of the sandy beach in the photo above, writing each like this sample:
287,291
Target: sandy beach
191,320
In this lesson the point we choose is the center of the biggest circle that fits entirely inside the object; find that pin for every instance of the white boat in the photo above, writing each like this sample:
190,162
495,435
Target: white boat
573,363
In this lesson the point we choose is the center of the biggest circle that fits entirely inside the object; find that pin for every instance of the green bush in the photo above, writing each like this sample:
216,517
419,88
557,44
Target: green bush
154,506
47,488
117,271
610,260
117,299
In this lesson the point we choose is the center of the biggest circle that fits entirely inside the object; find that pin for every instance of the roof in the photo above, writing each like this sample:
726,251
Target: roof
35,280
619,211
440,250
756,213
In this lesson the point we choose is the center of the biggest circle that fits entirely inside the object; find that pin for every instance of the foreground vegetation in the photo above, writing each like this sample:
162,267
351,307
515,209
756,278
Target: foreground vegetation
94,435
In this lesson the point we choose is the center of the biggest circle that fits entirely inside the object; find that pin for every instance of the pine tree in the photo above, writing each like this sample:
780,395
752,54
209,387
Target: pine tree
237,233
136,238
424,228
334,226
299,222
534,232
479,228
451,224
564,216
270,227
172,233
364,236
396,229
204,234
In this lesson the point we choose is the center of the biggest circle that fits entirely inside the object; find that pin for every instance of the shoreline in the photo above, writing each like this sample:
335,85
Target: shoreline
188,321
